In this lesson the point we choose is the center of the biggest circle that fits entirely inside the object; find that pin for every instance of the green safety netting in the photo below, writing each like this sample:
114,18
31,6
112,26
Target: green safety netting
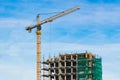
89,69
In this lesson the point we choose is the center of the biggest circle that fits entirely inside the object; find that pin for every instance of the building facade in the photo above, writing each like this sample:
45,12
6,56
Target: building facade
78,66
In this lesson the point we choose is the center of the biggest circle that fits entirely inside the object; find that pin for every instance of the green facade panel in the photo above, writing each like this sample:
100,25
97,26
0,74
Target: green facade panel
89,69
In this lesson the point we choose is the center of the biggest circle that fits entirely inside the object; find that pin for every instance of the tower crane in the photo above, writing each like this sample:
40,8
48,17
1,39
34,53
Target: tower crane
38,36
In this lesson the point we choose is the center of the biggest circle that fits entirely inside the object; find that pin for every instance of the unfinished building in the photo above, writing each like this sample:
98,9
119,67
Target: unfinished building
78,66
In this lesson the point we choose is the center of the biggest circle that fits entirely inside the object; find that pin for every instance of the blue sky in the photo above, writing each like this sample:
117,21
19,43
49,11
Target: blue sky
95,27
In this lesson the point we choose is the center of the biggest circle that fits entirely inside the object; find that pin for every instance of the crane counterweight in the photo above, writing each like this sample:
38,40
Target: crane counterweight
38,32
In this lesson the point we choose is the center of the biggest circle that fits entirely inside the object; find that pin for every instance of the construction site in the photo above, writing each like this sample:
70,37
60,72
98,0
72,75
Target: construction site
76,66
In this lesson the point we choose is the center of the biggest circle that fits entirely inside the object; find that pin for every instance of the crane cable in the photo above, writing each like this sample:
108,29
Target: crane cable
50,39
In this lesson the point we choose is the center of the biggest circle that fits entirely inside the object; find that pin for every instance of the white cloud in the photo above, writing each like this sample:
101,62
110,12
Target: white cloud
93,14
13,22
17,60
90,14
104,49
17,49
15,71
110,76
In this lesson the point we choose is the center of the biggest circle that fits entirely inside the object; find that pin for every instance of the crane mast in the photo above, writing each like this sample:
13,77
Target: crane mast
38,50
38,36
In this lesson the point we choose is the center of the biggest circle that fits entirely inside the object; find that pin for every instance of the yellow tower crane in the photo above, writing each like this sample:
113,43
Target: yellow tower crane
38,34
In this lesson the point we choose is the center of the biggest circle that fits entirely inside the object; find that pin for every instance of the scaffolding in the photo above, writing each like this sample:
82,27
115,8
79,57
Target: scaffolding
89,67
78,66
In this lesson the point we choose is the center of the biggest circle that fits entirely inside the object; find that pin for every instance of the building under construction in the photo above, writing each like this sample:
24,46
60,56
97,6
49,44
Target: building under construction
78,66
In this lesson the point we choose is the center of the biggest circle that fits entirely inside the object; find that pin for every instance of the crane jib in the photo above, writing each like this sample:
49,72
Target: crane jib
50,19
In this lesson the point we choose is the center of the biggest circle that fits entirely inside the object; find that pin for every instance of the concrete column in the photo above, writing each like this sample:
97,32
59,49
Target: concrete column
76,67
71,68
49,76
54,77
54,71
65,67
59,68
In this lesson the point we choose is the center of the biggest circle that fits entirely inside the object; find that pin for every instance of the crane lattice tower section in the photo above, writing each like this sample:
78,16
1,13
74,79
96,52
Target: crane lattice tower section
78,66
